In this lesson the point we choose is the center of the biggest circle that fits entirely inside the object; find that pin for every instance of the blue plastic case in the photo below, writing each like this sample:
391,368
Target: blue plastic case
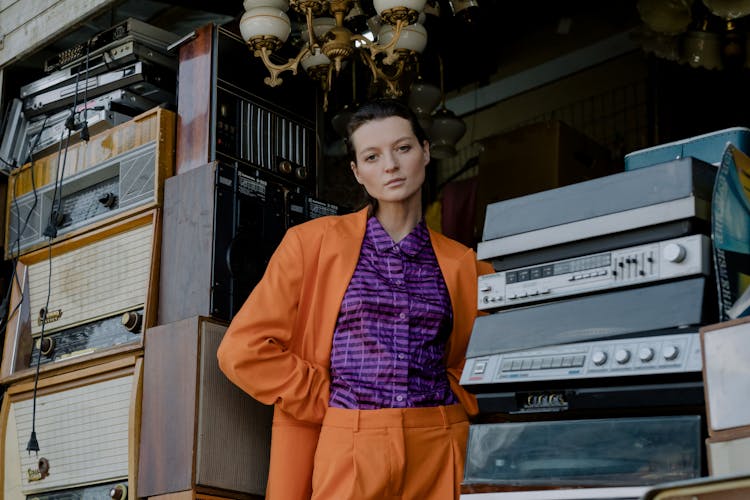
707,147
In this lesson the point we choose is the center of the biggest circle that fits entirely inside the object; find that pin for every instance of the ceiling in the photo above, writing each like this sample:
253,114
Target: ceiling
498,38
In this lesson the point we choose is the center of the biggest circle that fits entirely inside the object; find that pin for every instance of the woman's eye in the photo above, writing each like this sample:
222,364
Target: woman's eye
405,147
370,158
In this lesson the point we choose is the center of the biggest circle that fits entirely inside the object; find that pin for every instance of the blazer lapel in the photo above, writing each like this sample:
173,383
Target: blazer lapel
339,254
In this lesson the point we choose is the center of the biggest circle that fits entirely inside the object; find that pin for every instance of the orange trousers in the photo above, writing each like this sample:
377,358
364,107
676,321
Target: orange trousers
407,454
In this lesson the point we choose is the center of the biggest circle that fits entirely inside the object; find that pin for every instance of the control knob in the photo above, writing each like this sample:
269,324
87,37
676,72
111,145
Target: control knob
599,358
622,356
646,354
674,252
671,352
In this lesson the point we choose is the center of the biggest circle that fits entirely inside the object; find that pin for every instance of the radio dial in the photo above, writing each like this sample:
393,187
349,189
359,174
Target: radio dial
674,252
599,358
285,167
646,354
119,492
671,352
622,356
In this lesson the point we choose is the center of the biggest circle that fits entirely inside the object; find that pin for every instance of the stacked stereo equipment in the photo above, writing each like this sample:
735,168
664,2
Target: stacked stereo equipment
245,172
95,85
587,362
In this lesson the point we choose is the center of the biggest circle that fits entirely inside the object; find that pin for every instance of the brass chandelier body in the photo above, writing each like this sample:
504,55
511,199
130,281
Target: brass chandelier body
325,53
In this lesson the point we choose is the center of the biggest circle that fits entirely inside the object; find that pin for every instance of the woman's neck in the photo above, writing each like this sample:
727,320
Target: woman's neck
398,220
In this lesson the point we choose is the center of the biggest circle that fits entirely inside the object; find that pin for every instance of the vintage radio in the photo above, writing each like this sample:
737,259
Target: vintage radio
116,173
87,426
600,452
230,118
84,296
207,436
222,223
154,82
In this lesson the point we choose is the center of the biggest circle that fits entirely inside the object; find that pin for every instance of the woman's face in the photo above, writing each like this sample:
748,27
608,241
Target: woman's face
390,162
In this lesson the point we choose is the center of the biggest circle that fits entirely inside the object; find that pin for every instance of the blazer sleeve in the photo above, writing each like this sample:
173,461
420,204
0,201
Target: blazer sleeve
464,317
257,352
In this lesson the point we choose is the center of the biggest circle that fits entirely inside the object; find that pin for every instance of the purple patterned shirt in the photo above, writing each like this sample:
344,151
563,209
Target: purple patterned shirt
395,319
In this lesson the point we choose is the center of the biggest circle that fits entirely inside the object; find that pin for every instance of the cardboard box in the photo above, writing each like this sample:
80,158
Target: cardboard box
536,158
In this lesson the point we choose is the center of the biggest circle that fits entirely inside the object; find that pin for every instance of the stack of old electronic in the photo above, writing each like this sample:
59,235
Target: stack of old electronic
246,170
83,229
587,367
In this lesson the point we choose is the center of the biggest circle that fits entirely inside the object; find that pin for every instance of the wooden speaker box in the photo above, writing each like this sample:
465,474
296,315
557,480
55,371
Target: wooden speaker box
87,424
116,174
201,434
92,294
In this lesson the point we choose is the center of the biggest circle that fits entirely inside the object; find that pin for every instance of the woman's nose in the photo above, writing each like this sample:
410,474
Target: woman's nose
391,162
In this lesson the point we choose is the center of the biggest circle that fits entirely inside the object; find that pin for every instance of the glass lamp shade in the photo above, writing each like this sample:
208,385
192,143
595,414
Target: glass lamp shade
382,6
276,4
265,22
423,97
702,49
317,59
728,9
412,37
445,132
669,17
321,26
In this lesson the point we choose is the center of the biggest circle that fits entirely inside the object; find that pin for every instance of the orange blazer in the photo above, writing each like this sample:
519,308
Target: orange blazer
278,346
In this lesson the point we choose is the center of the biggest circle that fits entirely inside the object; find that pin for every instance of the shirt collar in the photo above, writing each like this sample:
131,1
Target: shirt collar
411,245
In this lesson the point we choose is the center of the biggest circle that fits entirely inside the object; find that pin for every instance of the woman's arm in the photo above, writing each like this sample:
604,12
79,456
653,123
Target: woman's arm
257,352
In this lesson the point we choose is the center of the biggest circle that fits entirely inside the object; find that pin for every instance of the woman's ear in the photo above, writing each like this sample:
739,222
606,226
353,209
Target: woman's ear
355,172
426,150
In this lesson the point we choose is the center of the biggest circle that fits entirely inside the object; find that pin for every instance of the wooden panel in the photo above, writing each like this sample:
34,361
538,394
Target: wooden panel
168,409
47,21
187,245
194,101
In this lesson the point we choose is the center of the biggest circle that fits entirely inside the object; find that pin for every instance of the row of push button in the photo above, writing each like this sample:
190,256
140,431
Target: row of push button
511,365
592,274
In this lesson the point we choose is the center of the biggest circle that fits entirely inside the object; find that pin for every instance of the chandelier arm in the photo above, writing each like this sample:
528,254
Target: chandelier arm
310,31
276,69
390,80
389,49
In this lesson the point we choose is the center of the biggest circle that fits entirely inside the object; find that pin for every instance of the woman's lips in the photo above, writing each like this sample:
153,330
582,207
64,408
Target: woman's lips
395,182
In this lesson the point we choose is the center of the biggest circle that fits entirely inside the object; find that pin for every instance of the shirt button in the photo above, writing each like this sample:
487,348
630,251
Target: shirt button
399,398
399,282
402,315
401,355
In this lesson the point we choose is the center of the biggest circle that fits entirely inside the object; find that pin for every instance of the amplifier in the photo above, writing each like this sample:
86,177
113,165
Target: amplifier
43,133
102,289
129,29
607,452
122,52
682,189
664,260
153,82
222,222
631,357
87,426
116,173
209,434
636,312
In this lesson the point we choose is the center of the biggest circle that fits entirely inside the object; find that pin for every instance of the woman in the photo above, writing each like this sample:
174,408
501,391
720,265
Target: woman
357,333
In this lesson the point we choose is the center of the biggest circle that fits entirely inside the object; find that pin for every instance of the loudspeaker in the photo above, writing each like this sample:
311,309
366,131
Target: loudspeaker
200,432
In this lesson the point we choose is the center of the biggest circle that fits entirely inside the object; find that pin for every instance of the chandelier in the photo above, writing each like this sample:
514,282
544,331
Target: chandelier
398,38
709,34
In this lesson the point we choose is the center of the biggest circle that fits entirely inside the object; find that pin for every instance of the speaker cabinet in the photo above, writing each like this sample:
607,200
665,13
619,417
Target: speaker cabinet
200,432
